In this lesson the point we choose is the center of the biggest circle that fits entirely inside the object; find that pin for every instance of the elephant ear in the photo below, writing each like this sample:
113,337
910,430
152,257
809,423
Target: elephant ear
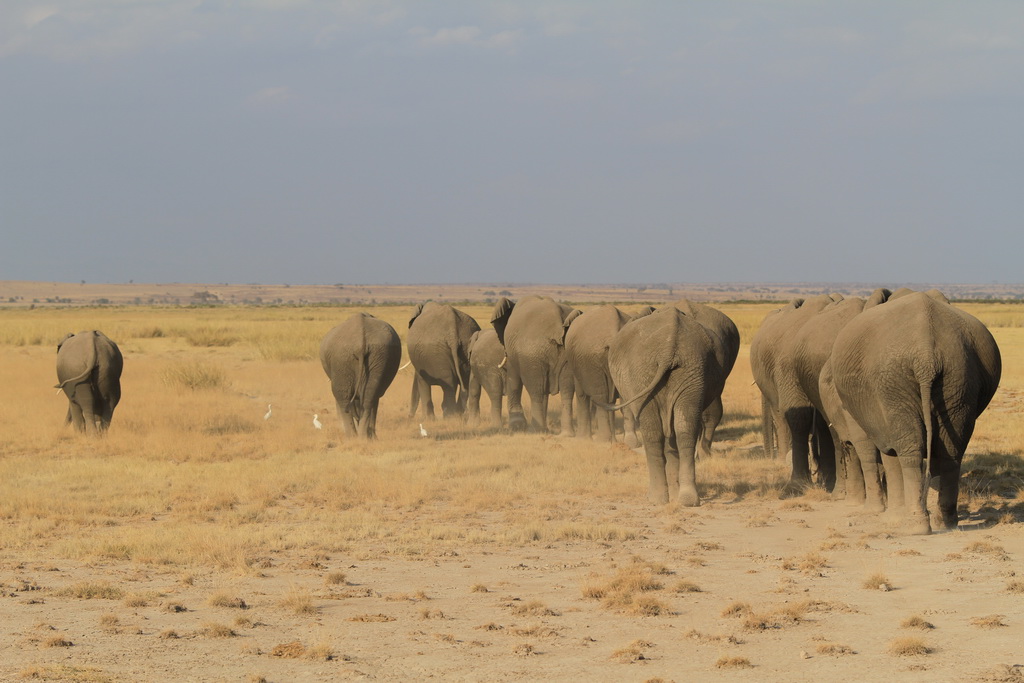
415,314
937,295
472,342
879,296
67,336
796,303
901,292
499,316
836,297
567,321
643,312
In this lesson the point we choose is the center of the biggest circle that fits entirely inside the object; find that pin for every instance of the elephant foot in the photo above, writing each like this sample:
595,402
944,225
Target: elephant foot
875,507
658,497
917,525
517,422
942,521
688,498
632,441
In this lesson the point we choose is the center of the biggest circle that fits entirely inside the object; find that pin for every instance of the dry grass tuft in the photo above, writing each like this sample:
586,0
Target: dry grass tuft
634,652
877,581
917,622
524,650
685,586
92,590
335,578
226,600
1015,586
66,673
169,634
479,588
908,646
737,609
533,608
694,634
212,629
990,621
834,649
299,602
321,652
367,618
57,641
733,663
292,650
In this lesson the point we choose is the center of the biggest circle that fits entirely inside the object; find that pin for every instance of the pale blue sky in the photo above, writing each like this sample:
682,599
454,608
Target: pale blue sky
315,141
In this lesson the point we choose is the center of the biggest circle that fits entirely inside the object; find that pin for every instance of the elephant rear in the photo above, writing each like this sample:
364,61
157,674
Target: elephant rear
89,366
361,357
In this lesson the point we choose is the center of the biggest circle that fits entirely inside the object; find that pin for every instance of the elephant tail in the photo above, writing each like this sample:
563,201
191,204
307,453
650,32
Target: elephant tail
362,374
90,365
644,393
767,427
463,380
926,415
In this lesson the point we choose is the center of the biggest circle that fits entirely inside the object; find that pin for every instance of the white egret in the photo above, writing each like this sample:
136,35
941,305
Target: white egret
423,432
267,416
316,421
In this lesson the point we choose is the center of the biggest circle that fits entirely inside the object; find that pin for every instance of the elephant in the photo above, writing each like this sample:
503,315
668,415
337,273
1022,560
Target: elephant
800,357
914,375
361,357
487,372
666,363
726,337
784,409
586,351
89,366
438,343
533,334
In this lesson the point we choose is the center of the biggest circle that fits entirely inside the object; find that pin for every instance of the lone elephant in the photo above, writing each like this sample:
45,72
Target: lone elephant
361,357
533,334
438,343
666,364
89,366
915,374
487,373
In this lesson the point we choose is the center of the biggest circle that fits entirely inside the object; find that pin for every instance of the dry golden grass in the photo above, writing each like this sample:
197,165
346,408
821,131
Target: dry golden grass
908,646
67,673
634,652
876,581
733,663
1015,586
92,590
299,602
216,485
990,621
917,622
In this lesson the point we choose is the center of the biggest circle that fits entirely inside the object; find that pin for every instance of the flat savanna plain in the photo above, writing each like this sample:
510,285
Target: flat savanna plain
198,541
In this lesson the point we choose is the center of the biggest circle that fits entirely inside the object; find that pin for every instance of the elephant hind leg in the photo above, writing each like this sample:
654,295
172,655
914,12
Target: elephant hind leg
710,420
687,425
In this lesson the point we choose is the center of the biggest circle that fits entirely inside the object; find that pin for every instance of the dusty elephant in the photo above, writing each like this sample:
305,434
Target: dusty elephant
438,343
914,375
89,369
586,352
486,372
533,334
784,407
361,357
726,338
666,364
801,356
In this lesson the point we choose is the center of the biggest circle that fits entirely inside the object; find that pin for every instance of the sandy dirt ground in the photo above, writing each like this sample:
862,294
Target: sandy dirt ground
503,614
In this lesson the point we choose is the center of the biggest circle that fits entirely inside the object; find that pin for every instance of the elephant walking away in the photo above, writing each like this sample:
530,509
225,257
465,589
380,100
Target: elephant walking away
89,369
533,334
487,373
791,414
914,375
586,351
665,364
361,357
726,338
438,343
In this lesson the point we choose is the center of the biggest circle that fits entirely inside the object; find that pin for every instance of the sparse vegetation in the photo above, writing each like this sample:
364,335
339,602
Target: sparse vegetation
908,646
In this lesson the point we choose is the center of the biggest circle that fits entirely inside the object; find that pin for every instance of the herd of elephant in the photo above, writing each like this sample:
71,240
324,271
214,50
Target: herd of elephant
881,393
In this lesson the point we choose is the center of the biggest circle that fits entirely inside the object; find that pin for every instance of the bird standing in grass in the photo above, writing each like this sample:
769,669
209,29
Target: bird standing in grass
423,432
267,416
316,421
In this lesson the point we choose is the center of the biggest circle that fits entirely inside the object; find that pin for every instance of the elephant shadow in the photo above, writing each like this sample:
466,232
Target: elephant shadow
468,433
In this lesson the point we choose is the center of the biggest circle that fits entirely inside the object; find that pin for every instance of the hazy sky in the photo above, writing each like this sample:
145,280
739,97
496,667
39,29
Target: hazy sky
326,141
